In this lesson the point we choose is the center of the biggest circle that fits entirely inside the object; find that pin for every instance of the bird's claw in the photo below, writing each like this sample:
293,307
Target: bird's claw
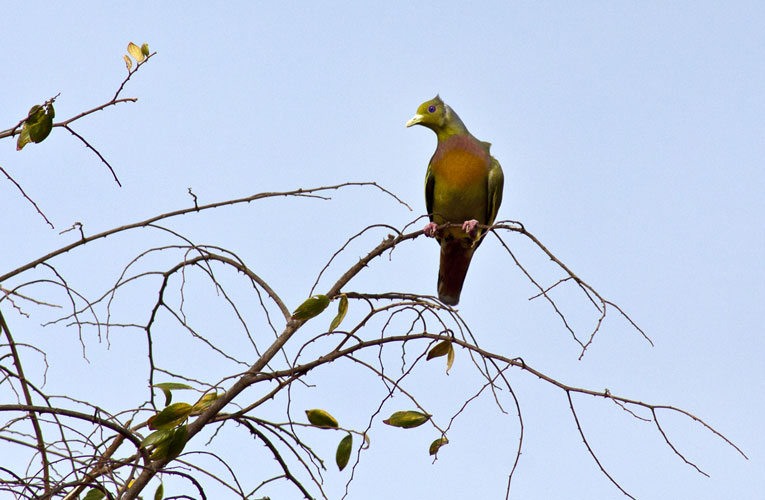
469,226
430,229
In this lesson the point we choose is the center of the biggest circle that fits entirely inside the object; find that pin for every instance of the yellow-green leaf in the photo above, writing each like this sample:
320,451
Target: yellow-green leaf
170,417
128,62
94,494
160,492
204,403
172,386
145,49
166,387
407,419
344,451
342,309
313,306
23,139
156,437
135,51
449,358
440,349
438,443
321,418
173,446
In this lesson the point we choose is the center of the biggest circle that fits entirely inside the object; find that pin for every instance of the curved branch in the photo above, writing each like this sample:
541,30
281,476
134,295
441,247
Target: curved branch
41,448
277,456
592,453
24,194
78,415
300,192
100,156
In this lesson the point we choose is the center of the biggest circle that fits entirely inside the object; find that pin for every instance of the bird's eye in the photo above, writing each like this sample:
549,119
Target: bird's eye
431,109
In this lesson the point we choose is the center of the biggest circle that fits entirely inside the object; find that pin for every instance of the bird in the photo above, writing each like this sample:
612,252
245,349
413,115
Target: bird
463,185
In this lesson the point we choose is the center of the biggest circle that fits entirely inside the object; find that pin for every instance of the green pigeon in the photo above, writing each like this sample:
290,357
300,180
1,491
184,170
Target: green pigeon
463,185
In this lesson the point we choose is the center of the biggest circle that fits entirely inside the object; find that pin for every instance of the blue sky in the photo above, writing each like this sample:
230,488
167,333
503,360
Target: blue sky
632,137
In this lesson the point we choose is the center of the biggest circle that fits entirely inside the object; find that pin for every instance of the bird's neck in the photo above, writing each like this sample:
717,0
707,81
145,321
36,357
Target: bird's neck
452,126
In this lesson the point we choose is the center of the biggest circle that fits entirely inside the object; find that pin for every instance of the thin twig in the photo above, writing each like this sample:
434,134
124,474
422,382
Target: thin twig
130,73
589,449
100,156
669,443
30,200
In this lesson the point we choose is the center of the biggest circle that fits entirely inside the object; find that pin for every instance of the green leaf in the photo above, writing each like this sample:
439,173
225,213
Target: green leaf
204,403
173,446
160,492
156,437
128,62
135,51
145,49
407,419
344,451
170,417
321,418
313,306
443,348
37,125
438,443
440,349
39,130
94,494
170,386
342,309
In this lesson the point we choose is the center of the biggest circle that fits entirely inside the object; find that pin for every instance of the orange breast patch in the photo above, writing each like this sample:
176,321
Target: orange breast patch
459,169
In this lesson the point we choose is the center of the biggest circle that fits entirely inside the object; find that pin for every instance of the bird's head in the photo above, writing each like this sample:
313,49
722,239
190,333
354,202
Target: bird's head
431,114
439,117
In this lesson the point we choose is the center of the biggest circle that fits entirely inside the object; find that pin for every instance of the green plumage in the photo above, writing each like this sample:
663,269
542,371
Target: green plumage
463,185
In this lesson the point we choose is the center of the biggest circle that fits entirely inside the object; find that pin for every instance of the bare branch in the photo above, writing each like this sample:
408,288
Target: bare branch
30,200
589,449
41,447
295,192
130,74
100,156
403,325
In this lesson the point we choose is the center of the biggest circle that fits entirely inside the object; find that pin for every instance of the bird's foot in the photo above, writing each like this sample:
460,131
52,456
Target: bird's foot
469,226
430,229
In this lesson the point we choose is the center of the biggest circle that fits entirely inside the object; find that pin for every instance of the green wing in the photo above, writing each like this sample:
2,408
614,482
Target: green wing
496,182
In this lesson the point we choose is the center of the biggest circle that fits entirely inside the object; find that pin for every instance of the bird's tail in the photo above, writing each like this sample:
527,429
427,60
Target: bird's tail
455,260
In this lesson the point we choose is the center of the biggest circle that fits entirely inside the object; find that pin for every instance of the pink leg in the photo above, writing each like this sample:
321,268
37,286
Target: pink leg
430,229
469,226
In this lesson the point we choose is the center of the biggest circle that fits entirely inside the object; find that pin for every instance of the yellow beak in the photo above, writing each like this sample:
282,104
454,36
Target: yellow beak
415,120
